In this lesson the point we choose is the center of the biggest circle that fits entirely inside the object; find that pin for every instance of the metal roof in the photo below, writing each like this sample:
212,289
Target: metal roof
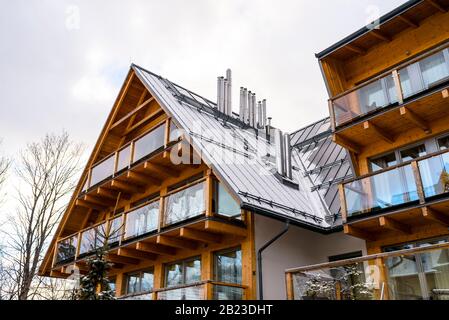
385,18
325,162
243,159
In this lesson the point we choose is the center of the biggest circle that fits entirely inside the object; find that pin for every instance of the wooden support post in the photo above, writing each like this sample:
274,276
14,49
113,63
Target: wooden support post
289,286
332,114
394,225
249,259
368,125
398,86
418,181
161,221
119,284
343,206
207,273
209,193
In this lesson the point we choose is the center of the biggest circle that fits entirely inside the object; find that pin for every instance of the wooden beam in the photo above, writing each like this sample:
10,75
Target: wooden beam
224,228
142,179
132,253
141,122
394,225
358,233
379,35
126,187
437,6
408,21
435,216
355,49
368,125
199,235
445,93
89,205
130,114
161,170
415,119
155,248
112,194
176,243
120,259
346,143
101,202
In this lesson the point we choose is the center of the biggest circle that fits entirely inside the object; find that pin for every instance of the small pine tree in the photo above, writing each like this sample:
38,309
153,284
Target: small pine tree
95,284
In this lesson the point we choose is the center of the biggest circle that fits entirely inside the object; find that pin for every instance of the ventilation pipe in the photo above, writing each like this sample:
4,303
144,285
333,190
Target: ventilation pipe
248,110
259,115
242,105
283,154
220,94
225,96
279,145
264,113
228,106
253,110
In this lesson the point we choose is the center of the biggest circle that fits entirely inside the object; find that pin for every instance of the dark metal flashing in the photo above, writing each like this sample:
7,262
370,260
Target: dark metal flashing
383,19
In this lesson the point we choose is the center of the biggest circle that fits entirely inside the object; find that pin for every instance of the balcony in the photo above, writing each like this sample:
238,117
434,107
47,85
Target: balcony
203,290
418,273
411,193
178,220
412,91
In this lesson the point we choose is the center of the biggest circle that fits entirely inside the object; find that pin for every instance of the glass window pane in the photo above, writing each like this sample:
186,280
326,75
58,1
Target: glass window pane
403,279
149,143
443,143
192,271
228,266
413,153
123,160
115,230
227,293
102,171
372,96
174,275
88,239
142,220
67,249
133,283
227,206
185,204
383,162
435,174
147,281
175,133
434,69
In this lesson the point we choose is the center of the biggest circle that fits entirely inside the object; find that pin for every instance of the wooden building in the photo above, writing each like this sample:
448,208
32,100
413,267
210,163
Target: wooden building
388,85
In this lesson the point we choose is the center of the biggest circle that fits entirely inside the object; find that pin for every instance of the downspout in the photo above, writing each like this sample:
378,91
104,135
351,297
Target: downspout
259,256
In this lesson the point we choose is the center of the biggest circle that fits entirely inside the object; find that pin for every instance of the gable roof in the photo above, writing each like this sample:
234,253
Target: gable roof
241,157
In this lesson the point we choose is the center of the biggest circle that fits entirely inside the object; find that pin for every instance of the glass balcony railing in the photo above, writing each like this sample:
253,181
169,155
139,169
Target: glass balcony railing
397,186
412,79
142,220
185,204
128,155
380,191
66,250
417,273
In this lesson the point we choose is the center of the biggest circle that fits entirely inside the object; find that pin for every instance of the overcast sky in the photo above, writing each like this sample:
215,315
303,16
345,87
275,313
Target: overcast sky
63,62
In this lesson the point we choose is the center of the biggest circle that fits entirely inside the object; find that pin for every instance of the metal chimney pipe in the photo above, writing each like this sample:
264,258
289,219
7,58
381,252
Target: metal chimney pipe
225,96
259,114
248,110
279,146
253,110
287,157
220,94
242,106
264,113
245,105
228,109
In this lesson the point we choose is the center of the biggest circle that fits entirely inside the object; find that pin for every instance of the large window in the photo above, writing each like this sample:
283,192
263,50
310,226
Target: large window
228,266
141,281
183,272
142,220
224,203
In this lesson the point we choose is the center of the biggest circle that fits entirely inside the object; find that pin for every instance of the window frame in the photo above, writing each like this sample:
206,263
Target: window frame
224,251
140,274
183,263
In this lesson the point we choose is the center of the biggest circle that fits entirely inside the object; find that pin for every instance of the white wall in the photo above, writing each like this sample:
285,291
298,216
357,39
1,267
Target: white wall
298,247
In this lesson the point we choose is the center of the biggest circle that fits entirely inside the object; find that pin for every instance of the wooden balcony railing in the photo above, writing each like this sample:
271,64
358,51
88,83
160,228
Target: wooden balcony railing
203,290
414,182
398,275
391,88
